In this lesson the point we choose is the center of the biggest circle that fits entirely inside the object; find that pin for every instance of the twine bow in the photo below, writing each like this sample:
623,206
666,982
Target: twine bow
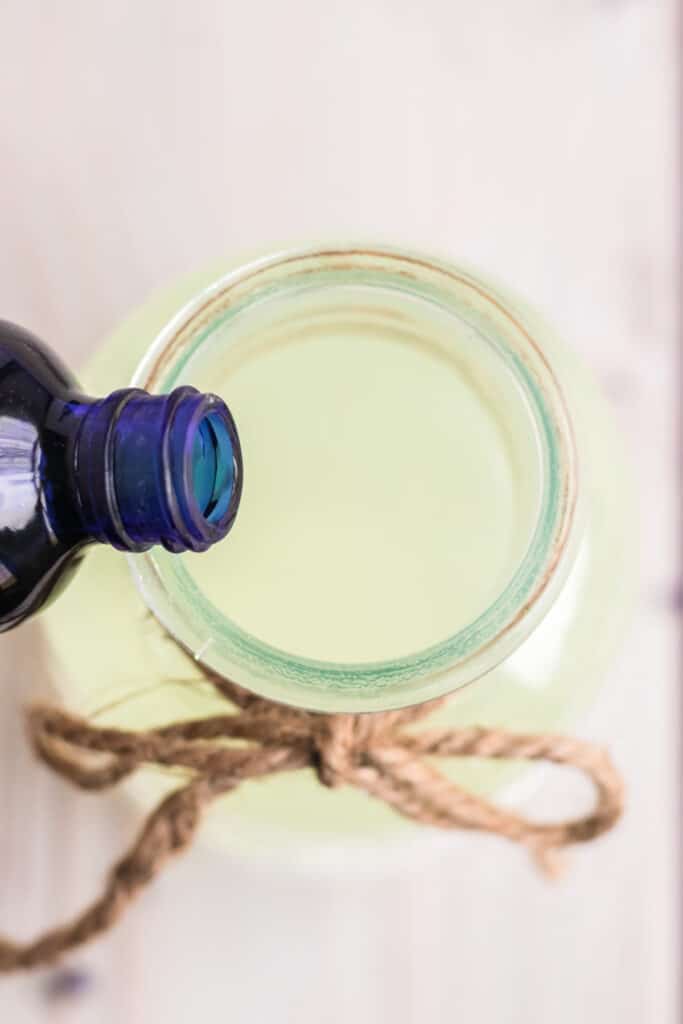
375,753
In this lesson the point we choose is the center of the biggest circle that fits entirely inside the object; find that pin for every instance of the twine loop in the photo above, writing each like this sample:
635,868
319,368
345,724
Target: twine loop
380,754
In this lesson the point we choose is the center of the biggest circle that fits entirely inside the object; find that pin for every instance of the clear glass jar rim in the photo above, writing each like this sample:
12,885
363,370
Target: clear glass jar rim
178,603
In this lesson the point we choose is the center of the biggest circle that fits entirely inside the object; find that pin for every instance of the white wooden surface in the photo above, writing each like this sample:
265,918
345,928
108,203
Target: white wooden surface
536,138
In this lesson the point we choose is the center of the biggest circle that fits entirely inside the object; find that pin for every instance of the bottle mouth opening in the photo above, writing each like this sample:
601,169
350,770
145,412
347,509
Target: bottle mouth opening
214,470
204,466
209,325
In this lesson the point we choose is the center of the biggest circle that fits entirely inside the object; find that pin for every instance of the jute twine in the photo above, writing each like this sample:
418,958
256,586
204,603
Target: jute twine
376,753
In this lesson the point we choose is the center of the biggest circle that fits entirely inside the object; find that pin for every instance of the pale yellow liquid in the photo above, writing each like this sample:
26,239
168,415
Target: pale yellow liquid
390,481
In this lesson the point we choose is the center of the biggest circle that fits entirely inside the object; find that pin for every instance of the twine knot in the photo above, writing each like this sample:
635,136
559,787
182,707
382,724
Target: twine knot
379,754
341,744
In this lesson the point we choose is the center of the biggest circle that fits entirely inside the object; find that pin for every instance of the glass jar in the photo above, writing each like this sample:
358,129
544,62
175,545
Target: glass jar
433,495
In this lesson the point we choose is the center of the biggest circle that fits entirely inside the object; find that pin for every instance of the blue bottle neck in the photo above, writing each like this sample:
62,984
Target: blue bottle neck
156,469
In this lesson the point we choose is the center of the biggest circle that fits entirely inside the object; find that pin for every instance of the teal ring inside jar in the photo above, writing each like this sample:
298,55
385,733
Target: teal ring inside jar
198,624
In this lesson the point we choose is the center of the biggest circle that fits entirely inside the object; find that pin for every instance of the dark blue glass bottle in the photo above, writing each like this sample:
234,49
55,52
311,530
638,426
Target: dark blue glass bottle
131,470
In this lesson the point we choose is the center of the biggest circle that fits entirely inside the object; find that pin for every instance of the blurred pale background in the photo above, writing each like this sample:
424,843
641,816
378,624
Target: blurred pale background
534,138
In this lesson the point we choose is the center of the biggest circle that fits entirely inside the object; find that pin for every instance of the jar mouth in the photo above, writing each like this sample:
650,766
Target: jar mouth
181,606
